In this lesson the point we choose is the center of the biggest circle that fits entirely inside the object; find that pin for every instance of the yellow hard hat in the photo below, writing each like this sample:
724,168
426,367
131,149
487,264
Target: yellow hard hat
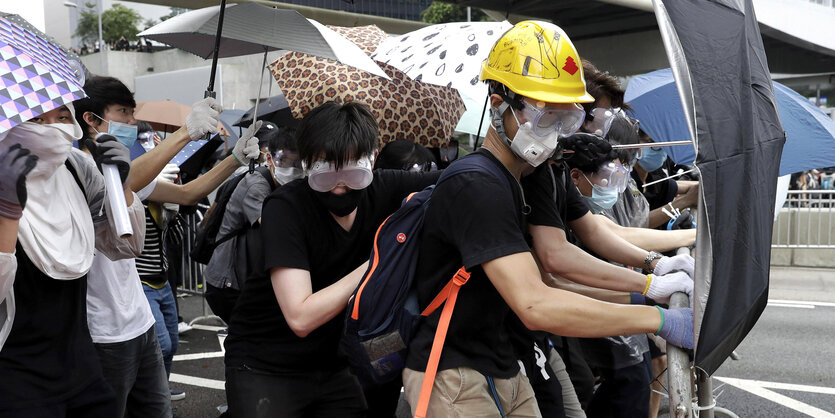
537,60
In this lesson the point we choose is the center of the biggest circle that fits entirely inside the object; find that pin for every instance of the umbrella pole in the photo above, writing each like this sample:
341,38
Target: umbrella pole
210,90
258,99
481,122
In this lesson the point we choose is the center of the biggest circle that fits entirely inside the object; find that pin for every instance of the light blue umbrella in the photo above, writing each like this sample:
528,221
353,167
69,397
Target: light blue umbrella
810,133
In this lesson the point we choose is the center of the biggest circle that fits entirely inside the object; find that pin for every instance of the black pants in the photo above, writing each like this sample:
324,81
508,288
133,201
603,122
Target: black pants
623,392
251,393
96,400
222,301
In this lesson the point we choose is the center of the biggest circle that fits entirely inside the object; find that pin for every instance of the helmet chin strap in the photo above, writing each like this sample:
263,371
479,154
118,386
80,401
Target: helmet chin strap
498,122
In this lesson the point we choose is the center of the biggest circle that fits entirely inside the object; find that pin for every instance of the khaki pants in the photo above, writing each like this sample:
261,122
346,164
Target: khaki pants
464,392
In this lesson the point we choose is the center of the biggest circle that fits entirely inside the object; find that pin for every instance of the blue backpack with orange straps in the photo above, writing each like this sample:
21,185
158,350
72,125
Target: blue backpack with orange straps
383,312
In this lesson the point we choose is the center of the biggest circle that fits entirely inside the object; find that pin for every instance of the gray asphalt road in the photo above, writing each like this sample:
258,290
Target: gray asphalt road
786,370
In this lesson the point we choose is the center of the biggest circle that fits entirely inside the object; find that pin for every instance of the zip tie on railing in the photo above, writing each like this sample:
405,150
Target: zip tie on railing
696,406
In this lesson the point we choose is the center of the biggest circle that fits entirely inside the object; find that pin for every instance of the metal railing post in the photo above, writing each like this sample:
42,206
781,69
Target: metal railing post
678,370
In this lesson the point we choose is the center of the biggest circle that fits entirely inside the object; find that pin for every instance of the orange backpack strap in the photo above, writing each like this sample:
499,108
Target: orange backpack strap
449,294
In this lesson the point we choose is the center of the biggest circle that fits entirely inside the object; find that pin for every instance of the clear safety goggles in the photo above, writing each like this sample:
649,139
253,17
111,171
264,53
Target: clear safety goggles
322,176
600,119
287,159
546,119
612,175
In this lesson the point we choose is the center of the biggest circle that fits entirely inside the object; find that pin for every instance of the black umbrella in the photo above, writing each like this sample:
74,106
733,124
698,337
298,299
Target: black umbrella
275,109
717,56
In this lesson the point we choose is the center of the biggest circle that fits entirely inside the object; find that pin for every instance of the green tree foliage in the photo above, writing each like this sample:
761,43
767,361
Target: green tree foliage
174,12
116,22
440,12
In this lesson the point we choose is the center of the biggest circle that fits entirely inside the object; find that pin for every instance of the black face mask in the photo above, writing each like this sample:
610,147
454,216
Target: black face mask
342,204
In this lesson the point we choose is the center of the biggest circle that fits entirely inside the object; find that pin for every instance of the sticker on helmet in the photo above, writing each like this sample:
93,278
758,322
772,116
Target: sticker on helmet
570,66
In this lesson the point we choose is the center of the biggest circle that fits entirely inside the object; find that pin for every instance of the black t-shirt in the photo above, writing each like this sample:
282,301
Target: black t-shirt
554,200
298,232
49,355
658,194
473,217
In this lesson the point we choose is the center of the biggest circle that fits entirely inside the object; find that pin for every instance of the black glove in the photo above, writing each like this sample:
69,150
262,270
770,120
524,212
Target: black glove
106,149
683,221
15,163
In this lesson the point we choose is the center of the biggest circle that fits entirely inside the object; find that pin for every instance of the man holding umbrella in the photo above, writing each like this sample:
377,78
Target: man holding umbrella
535,84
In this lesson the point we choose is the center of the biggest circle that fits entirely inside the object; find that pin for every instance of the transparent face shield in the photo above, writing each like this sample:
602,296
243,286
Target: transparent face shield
322,176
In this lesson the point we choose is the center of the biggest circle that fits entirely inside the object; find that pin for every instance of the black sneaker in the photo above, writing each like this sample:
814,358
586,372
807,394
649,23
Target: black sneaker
177,395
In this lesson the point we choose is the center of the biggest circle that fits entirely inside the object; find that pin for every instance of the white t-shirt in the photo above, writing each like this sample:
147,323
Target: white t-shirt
117,309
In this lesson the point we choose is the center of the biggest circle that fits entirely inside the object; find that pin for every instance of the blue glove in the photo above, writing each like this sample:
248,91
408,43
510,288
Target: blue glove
676,327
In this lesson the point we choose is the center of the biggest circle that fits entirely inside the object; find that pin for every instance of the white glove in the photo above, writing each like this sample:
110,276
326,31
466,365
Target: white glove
681,262
662,287
203,118
246,148
169,173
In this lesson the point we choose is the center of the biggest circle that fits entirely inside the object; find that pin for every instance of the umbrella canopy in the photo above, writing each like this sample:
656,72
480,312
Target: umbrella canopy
36,74
275,109
448,54
367,38
250,28
731,111
404,108
810,133
163,115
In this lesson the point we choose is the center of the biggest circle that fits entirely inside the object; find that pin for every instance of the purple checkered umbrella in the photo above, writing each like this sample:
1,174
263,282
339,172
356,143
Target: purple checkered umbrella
36,74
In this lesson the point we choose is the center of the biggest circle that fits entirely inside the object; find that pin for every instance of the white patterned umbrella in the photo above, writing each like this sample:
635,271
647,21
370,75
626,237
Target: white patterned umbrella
448,54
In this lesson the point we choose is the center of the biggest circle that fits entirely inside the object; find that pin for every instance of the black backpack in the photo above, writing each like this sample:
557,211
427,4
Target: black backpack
206,240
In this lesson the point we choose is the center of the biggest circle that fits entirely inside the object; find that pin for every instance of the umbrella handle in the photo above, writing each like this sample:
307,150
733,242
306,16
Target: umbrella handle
258,99
211,87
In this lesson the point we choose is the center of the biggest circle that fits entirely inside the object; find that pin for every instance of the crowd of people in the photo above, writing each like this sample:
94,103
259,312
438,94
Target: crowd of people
121,44
564,313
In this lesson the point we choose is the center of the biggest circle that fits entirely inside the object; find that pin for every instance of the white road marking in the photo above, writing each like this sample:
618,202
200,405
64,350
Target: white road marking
801,302
207,327
758,388
790,305
197,356
197,381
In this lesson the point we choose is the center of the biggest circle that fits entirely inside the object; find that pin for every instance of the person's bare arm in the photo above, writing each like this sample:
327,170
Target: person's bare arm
605,295
651,239
190,193
147,166
600,239
517,279
8,234
558,256
688,199
305,310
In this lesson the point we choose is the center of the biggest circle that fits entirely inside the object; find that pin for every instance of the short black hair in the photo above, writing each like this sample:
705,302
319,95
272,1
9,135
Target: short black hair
101,92
600,84
284,138
338,133
142,127
403,153
623,132
589,152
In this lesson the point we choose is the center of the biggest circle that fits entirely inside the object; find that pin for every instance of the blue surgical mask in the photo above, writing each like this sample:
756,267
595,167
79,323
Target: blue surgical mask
126,134
652,158
602,198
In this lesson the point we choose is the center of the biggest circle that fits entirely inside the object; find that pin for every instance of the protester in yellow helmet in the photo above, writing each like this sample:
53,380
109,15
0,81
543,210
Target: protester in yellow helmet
535,84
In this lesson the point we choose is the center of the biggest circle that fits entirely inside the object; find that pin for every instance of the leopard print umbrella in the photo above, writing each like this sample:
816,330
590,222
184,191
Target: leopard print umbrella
404,108
368,38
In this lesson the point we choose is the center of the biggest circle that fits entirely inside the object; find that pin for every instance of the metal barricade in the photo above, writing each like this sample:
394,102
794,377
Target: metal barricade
806,220
191,271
